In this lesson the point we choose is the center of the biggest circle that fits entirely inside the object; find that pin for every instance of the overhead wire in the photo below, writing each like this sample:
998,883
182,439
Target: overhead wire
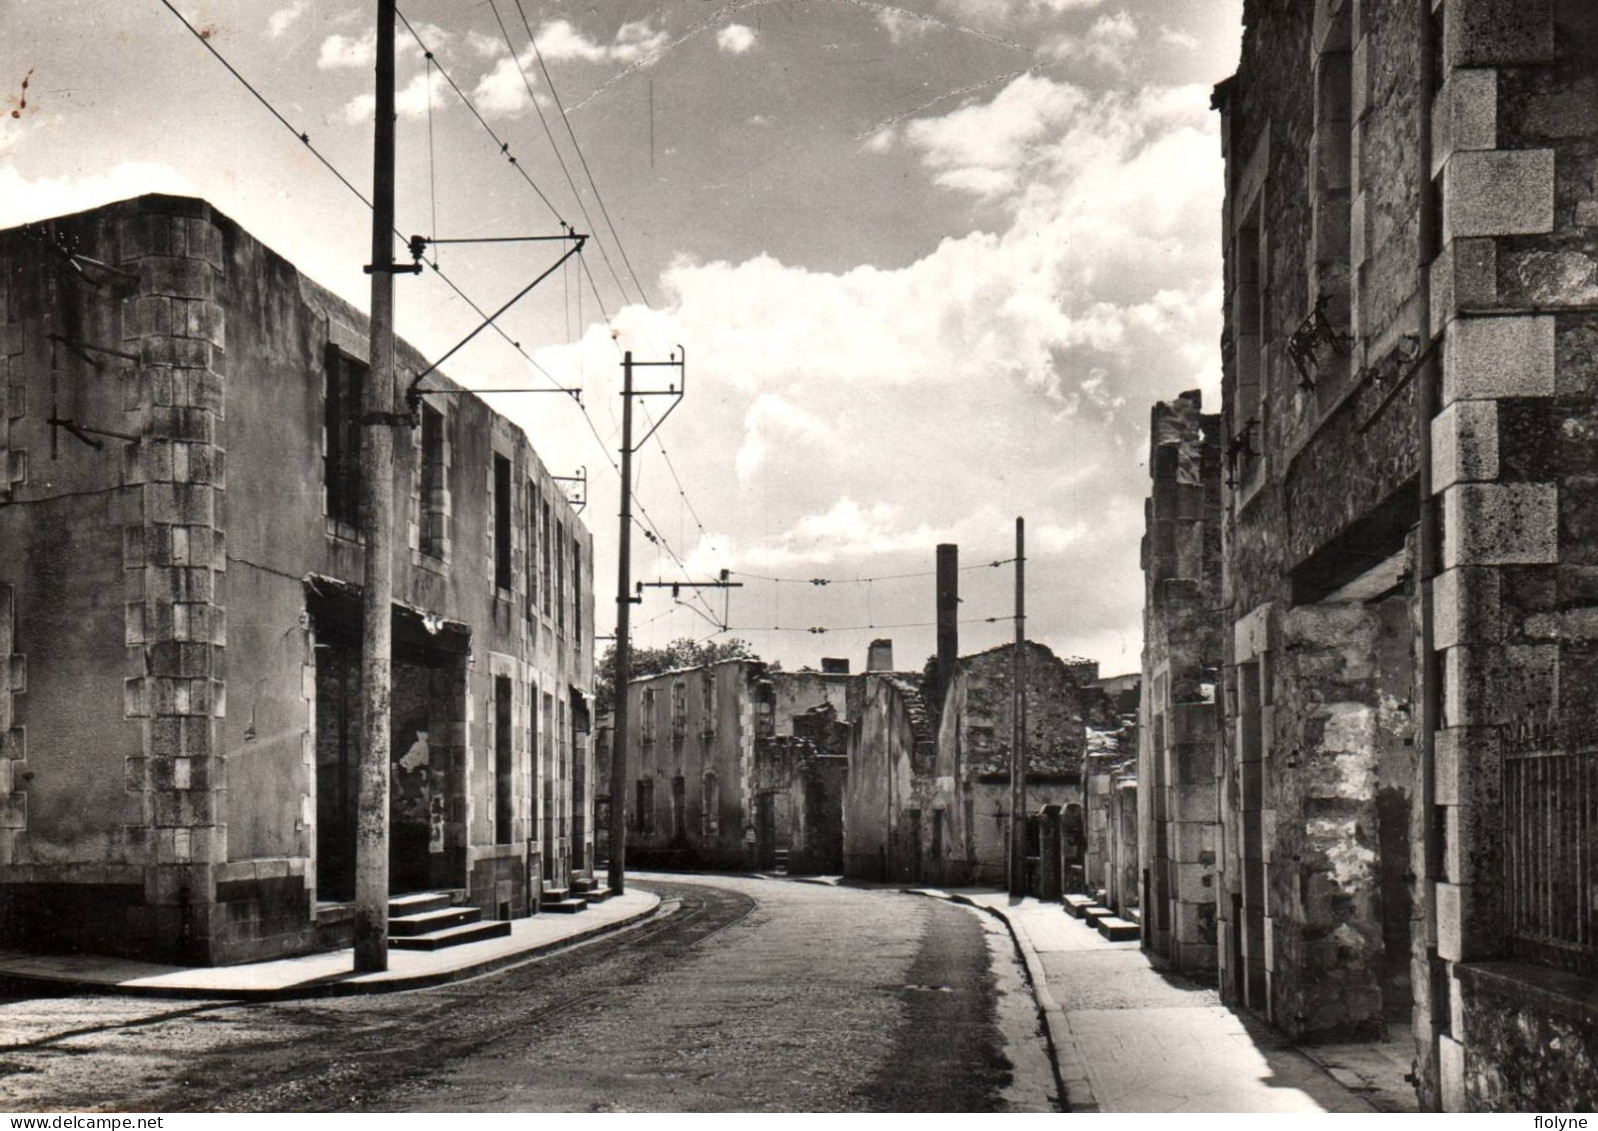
550,134
819,582
304,139
566,120
643,520
648,523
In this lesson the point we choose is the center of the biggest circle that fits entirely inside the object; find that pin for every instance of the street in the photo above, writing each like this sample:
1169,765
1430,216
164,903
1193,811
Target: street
742,994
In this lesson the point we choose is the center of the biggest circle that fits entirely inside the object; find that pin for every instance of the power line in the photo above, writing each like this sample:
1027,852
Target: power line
652,530
820,582
550,134
261,98
598,199
504,146
821,630
345,181
582,260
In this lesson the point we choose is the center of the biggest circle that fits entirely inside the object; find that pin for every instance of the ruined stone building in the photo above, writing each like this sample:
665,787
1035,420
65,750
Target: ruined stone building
976,728
927,798
737,766
1103,836
179,603
1105,833
1408,771
1178,803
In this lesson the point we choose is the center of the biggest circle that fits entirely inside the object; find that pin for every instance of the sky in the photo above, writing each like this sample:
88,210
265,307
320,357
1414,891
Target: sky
931,263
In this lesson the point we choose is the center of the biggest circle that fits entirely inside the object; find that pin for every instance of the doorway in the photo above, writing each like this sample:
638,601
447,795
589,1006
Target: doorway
427,789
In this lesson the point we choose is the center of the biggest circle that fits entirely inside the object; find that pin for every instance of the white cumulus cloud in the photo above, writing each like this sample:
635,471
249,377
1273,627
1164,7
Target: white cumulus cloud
735,39
284,18
634,41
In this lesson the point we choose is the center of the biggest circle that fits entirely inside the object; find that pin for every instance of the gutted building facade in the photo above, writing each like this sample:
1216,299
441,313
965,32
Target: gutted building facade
1409,774
179,602
928,792
1179,750
736,766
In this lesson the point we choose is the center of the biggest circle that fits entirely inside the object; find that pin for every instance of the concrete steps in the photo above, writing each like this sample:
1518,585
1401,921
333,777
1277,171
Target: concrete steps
1076,906
423,922
562,901
571,905
1116,929
452,936
592,889
433,920
1093,914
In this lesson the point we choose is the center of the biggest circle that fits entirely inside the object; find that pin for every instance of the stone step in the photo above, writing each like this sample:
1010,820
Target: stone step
582,885
423,922
1076,905
568,906
416,903
1116,929
1094,913
453,936
554,893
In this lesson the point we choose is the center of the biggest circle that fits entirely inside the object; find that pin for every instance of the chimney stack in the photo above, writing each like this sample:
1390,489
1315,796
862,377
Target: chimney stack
879,656
948,617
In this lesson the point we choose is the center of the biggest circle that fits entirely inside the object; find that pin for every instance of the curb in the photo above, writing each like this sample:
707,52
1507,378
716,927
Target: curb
1070,1072
337,985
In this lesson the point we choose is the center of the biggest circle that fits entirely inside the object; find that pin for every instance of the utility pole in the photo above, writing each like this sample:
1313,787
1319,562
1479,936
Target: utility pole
377,522
625,600
1018,753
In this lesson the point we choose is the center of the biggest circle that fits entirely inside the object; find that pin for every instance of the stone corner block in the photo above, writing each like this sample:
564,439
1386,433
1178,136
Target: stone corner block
1488,358
1500,524
1467,607
1464,277
1486,33
1464,444
1498,193
1464,115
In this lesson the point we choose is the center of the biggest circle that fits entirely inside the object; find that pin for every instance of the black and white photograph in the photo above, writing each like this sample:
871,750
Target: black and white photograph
801,556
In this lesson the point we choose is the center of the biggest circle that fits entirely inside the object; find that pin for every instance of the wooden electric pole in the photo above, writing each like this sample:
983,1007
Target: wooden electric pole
377,524
624,610
1018,753
625,599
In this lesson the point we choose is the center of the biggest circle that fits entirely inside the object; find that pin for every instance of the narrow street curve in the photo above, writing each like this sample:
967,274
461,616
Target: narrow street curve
752,995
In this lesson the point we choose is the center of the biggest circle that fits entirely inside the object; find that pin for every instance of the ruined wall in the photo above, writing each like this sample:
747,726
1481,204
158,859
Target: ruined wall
1110,759
212,352
731,733
1178,796
1323,585
1513,294
974,738
903,814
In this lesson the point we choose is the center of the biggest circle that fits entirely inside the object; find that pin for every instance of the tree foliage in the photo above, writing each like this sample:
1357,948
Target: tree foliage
682,653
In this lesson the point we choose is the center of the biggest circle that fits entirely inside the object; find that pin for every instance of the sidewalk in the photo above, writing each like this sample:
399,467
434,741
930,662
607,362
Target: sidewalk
329,974
1129,1038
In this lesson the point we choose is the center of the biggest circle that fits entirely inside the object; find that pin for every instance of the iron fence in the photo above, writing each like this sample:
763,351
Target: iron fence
1551,844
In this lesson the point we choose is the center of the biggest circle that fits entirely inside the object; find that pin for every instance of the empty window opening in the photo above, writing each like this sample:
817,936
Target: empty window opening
577,591
646,806
504,761
341,465
434,509
501,522
543,540
710,816
560,577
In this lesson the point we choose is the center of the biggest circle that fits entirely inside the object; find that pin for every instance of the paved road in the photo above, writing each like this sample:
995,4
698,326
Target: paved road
754,995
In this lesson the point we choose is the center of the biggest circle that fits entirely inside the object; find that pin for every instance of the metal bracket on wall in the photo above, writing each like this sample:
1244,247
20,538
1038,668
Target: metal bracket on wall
87,435
581,477
86,350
